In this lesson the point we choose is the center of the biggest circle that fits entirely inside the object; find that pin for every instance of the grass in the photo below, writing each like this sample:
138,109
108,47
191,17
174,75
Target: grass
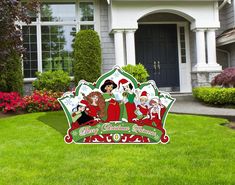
32,151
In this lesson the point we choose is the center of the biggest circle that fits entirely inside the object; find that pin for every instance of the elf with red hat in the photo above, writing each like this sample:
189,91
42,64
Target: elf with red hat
81,113
143,108
128,93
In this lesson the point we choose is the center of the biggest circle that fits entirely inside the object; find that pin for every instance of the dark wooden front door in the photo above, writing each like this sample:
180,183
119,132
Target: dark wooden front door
157,50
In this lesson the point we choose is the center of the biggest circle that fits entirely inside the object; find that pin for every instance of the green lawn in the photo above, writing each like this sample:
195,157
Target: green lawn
32,151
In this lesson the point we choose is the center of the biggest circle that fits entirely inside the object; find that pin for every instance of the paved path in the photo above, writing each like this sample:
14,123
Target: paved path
191,106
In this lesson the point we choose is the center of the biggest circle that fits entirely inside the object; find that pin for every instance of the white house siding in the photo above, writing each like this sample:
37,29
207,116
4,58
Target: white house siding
226,53
232,57
227,18
107,40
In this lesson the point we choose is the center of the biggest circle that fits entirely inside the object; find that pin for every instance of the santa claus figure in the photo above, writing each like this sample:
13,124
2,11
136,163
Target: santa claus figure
129,96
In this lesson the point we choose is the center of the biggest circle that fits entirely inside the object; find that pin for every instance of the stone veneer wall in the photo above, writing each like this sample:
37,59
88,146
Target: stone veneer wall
203,78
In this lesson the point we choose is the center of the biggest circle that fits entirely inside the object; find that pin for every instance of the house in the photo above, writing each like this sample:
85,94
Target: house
174,39
226,36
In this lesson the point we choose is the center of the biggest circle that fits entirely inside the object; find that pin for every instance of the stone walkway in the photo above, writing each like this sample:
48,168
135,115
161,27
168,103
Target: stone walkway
186,104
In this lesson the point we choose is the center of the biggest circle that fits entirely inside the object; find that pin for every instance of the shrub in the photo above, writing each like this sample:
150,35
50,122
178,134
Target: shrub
138,71
11,45
87,56
41,101
11,78
225,79
56,81
215,95
11,102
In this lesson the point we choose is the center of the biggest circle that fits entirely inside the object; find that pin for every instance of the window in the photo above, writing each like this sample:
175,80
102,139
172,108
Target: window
30,57
182,45
56,47
48,39
58,12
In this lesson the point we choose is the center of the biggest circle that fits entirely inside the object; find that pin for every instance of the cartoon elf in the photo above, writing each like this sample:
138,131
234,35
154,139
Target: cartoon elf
129,94
96,105
80,114
112,106
143,108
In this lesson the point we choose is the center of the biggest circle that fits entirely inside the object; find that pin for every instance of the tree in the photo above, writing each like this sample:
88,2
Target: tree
87,56
11,45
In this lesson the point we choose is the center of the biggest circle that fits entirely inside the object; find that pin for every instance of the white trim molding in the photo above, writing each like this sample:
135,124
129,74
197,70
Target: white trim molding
130,46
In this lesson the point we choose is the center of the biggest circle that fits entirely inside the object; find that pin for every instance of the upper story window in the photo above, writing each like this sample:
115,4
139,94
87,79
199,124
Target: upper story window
59,12
48,39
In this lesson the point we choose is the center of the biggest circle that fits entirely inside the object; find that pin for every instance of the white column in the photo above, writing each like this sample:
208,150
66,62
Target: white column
130,47
119,47
201,50
211,50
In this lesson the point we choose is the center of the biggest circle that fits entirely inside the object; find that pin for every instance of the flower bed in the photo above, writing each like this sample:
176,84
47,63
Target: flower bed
37,102
42,101
11,102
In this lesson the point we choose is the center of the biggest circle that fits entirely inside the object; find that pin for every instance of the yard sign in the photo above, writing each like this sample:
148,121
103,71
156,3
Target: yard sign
116,109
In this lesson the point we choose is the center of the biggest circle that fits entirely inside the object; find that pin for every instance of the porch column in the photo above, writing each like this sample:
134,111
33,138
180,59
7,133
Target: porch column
130,47
119,47
211,50
201,53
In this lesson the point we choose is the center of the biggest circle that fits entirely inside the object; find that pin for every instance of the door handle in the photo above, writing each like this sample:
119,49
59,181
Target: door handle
157,66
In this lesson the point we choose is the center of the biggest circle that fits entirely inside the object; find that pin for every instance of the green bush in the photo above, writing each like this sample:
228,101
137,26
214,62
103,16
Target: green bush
11,78
56,81
87,56
215,95
138,71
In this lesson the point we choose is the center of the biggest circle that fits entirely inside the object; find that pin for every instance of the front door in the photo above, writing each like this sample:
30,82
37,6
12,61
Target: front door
157,50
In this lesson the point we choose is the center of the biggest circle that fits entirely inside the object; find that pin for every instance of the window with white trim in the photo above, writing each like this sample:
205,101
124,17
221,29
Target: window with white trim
48,39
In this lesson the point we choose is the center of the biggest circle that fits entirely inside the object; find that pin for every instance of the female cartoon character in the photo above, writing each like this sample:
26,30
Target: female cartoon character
157,111
96,105
112,106
80,114
143,108
130,96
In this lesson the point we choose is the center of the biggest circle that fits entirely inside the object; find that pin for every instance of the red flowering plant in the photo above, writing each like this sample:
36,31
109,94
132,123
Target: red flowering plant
11,102
42,100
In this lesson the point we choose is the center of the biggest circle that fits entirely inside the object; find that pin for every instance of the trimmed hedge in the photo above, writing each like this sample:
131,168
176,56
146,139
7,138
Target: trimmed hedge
56,81
138,71
11,78
215,95
87,56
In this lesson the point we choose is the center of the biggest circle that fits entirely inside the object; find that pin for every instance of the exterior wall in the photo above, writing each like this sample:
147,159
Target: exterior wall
232,54
222,58
107,40
203,78
227,18
227,58
200,14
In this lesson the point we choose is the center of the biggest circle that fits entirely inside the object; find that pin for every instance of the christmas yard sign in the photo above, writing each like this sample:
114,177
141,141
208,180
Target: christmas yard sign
116,109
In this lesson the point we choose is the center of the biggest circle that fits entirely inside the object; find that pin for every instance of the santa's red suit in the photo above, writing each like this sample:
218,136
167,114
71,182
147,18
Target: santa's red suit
143,109
155,118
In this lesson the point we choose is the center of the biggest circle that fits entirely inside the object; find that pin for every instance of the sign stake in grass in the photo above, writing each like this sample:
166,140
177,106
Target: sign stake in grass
116,109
